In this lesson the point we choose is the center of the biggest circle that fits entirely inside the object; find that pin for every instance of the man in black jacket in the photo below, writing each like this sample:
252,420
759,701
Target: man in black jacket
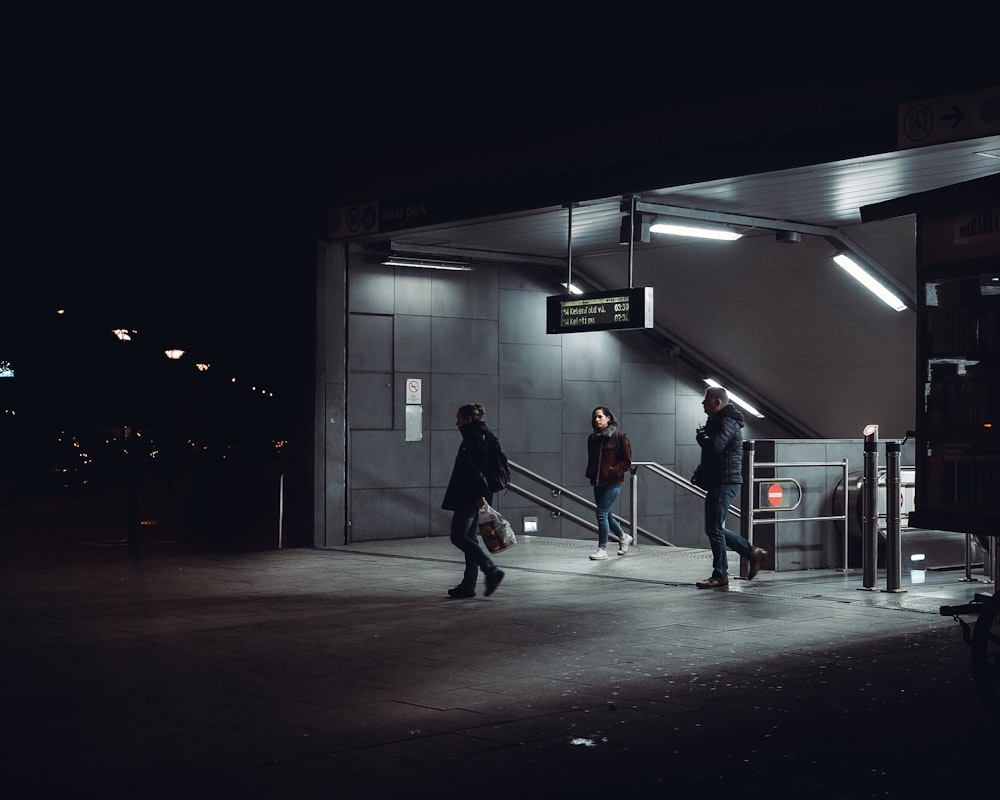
720,474
468,492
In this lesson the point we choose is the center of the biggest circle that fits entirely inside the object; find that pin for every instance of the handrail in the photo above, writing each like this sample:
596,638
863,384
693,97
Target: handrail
633,525
750,466
562,491
747,521
678,480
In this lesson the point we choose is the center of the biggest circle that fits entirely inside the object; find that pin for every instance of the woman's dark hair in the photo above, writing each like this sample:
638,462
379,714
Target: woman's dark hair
473,410
607,413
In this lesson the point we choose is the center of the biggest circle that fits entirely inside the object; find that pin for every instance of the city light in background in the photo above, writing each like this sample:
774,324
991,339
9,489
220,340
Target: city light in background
66,379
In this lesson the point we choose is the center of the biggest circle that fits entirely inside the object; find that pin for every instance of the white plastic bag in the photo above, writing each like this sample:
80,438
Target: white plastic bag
497,532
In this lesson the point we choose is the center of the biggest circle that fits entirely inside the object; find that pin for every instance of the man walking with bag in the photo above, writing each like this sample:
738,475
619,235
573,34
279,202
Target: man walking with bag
720,474
467,493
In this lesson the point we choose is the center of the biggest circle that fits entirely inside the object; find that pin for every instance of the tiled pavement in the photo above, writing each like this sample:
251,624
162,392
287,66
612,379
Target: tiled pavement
172,671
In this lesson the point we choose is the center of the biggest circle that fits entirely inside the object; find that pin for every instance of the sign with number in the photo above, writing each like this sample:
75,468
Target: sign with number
616,309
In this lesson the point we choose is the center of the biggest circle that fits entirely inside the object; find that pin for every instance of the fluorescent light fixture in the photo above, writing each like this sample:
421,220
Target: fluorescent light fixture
722,234
852,268
426,263
735,398
572,288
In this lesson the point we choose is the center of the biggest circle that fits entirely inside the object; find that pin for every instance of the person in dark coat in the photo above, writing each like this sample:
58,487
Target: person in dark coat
609,457
466,494
720,474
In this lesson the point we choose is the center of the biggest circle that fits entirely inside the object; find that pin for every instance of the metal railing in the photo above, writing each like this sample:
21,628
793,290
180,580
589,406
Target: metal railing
748,521
557,510
670,476
632,525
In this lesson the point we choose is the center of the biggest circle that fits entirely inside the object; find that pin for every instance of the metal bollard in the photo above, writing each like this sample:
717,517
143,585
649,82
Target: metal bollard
893,541
747,502
968,561
869,527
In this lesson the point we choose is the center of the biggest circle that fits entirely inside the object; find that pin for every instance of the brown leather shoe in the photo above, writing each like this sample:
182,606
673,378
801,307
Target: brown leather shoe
756,559
713,583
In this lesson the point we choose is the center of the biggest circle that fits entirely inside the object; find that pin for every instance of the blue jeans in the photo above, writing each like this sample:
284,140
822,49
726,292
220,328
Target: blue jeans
605,497
717,503
465,536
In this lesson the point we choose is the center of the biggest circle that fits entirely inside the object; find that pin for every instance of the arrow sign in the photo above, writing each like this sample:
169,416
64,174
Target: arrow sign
952,118
956,114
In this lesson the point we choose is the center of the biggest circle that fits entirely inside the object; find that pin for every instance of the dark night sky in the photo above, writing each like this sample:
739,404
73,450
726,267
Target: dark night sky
152,152
149,177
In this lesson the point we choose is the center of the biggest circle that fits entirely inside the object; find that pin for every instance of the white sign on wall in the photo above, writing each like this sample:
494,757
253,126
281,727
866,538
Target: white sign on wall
413,392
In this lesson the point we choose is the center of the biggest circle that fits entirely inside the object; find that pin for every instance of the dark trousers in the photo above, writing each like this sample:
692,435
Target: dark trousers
721,538
465,536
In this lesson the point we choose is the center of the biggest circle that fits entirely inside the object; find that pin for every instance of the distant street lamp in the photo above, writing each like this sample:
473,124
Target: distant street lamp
173,354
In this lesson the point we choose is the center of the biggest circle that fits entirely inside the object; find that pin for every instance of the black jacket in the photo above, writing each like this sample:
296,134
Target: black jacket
468,475
721,442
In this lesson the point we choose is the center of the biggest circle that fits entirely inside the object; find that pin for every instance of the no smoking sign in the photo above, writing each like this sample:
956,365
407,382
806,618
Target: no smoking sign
413,391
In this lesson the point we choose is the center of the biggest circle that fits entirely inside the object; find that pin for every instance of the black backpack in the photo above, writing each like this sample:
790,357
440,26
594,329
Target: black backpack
497,469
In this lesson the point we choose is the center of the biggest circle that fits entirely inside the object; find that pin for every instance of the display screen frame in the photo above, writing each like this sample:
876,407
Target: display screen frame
607,310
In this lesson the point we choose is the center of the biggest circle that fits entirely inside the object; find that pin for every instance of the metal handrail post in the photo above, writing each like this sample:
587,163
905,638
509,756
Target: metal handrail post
845,517
747,504
893,543
634,501
869,529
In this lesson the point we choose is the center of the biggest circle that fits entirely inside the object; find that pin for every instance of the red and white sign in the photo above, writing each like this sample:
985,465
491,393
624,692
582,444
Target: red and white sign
774,494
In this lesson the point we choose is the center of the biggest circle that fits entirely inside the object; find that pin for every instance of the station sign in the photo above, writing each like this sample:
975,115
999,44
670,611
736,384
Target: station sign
952,118
614,309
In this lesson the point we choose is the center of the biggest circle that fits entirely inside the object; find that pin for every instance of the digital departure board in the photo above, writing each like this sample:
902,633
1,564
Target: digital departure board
615,309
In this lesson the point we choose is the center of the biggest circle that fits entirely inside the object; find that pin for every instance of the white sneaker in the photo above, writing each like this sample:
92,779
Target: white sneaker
624,543
600,555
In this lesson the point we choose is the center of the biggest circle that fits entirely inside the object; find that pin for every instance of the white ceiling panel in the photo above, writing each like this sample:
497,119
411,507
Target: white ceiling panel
781,320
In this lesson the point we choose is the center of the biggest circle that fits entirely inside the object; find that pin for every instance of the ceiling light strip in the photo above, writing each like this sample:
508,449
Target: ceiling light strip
421,263
856,271
720,234
735,398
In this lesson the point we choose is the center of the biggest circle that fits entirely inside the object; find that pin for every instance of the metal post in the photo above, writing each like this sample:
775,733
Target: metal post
747,503
634,502
843,482
569,248
281,507
993,559
893,543
968,561
869,496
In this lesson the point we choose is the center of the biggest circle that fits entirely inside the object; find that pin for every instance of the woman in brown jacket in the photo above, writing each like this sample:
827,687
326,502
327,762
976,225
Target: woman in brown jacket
609,457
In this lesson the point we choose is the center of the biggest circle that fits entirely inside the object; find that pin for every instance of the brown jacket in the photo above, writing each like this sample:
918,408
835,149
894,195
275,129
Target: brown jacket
609,457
